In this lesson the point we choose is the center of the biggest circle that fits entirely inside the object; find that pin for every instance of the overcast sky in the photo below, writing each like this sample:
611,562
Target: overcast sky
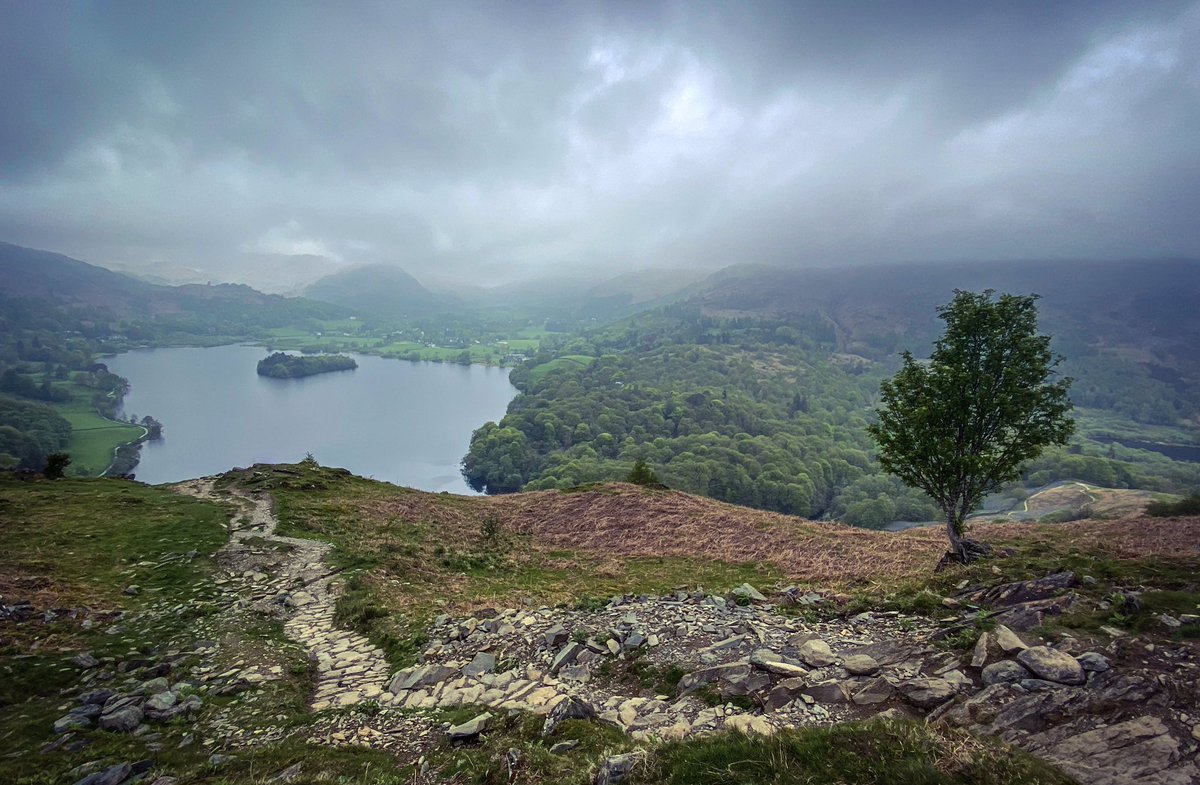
502,140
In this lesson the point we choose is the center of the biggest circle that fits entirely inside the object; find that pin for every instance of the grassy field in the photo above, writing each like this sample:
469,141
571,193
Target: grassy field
93,439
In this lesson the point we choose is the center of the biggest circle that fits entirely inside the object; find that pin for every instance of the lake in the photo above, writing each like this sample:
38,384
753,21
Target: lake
404,422
1176,452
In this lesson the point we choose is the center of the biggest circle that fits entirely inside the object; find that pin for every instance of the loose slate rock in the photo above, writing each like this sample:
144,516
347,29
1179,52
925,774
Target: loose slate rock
749,592
1007,640
874,691
483,663
1052,665
161,701
1094,662
860,664
1004,672
817,653
84,660
566,656
555,636
926,693
470,729
71,722
569,709
124,720
617,767
114,775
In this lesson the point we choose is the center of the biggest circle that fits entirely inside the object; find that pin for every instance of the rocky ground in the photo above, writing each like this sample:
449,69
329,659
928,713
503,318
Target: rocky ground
1114,708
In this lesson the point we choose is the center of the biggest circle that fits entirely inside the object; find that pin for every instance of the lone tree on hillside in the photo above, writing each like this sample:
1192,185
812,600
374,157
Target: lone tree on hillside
642,474
961,425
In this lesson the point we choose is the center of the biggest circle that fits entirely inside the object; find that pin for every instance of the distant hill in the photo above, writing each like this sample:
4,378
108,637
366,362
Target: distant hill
382,289
28,273
1145,310
33,274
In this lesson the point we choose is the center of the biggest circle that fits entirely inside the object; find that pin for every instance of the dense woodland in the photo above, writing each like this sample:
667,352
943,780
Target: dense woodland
764,413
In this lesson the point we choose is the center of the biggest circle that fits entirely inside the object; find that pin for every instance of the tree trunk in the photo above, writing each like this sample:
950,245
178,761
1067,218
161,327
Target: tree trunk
958,549
962,550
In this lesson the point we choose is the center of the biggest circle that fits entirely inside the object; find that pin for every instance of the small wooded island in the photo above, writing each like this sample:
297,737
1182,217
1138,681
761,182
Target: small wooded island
291,366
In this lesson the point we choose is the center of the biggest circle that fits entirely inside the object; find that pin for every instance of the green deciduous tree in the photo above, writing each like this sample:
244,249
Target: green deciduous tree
961,425
56,464
642,474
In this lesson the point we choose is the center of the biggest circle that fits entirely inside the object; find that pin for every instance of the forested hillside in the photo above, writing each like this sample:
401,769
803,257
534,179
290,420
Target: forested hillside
750,412
747,396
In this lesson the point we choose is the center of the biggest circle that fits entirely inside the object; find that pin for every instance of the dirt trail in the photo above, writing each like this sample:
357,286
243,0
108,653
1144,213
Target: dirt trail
350,668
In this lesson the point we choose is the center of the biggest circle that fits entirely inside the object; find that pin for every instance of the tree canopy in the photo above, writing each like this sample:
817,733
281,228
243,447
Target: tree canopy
962,424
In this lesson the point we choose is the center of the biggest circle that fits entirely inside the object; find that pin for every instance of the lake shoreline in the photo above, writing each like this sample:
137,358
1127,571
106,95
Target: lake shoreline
408,423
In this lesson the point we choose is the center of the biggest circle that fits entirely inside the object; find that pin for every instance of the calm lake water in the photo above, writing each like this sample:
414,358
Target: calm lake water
404,422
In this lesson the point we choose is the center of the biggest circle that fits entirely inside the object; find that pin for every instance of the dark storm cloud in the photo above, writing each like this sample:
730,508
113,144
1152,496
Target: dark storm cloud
506,140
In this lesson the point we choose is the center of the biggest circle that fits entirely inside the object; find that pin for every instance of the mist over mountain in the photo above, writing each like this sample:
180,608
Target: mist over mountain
380,289
1144,307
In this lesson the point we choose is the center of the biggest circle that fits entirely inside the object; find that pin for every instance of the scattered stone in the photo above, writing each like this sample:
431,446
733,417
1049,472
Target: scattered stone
132,590
1025,591
114,775
555,636
748,592
767,660
817,653
161,701
827,692
1004,672
1141,750
124,720
980,654
84,661
71,722
563,747
1052,665
469,729
289,774
566,656
416,678
217,760
569,709
1093,662
860,664
876,690
926,693
749,723
615,768
483,662
1007,640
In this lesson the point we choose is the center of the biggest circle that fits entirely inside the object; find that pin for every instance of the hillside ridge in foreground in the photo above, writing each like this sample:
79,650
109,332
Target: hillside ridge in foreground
300,622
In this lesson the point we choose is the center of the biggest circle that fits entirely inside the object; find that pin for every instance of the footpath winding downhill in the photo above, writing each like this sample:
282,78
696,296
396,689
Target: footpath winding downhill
304,589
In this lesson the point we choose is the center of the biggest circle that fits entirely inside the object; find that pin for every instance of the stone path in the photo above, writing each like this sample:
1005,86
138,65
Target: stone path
350,669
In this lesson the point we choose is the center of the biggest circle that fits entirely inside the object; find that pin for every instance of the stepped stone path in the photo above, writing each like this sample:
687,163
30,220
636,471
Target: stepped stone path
304,590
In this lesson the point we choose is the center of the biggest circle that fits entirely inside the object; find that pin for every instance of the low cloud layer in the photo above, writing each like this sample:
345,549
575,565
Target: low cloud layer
495,141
